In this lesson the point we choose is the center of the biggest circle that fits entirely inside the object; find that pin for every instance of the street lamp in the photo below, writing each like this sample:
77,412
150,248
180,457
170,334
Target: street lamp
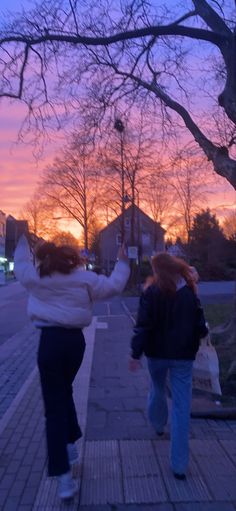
136,192
119,126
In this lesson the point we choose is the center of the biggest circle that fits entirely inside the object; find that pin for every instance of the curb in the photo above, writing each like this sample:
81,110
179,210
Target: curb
225,414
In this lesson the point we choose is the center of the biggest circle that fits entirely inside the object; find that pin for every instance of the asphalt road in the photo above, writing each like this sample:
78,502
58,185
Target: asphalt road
13,315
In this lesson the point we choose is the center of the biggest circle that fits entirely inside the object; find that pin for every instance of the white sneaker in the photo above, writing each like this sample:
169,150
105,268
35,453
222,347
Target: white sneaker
67,487
72,454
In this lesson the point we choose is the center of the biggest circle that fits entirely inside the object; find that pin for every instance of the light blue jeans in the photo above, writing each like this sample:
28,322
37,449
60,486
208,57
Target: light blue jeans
181,389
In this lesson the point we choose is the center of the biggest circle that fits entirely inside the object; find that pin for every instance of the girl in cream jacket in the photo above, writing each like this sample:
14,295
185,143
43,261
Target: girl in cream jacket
61,295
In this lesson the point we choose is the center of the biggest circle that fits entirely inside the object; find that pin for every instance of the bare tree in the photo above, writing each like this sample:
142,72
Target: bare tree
127,159
71,185
141,47
159,197
229,225
191,185
140,157
39,215
65,238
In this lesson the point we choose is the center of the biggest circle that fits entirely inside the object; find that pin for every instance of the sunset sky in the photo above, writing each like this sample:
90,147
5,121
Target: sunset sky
19,170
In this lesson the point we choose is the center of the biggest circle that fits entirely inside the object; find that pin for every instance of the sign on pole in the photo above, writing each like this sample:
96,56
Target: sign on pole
132,252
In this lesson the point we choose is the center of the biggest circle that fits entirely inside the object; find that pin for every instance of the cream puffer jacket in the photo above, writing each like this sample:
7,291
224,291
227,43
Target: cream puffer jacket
65,300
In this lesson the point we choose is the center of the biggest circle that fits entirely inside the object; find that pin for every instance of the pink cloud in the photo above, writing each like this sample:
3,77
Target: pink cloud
20,172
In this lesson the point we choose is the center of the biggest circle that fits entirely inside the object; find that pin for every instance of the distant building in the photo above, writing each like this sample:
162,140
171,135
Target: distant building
14,229
10,231
3,260
148,237
2,233
177,251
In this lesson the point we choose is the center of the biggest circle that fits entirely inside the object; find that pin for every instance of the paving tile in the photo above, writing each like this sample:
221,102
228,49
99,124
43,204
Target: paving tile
230,447
7,481
141,473
99,508
101,474
12,504
146,507
130,507
3,496
216,467
194,488
205,506
17,488
13,466
25,508
24,472
29,495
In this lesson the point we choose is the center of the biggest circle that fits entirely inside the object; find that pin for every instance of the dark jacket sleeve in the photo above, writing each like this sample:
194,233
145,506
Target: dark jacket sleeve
201,327
144,324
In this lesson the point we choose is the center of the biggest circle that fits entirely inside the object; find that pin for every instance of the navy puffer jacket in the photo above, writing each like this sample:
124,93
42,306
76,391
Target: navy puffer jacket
168,326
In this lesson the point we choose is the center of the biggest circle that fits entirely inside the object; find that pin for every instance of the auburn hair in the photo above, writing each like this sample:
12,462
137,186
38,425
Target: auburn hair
167,270
52,258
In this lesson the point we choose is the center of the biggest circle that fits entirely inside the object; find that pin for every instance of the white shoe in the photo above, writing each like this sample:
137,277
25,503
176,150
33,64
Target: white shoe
67,487
72,454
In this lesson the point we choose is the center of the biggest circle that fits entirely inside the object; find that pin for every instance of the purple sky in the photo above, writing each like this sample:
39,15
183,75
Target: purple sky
18,169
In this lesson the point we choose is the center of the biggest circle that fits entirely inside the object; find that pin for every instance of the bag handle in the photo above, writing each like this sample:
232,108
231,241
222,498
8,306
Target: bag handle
206,341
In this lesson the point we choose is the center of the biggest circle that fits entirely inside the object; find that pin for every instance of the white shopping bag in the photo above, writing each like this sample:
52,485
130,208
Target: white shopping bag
206,368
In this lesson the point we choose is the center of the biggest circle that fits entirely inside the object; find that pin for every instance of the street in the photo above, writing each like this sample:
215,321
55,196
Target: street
13,315
122,462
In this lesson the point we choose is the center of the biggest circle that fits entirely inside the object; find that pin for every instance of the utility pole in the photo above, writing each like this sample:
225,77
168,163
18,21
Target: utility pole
119,126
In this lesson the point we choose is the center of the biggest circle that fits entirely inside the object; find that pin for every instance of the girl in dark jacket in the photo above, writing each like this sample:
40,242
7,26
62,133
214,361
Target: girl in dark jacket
169,326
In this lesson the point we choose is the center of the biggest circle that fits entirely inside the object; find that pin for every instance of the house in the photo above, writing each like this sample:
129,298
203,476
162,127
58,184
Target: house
2,247
177,251
2,233
14,229
10,231
146,237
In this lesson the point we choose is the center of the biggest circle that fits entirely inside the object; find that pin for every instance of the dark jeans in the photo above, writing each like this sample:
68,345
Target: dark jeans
60,355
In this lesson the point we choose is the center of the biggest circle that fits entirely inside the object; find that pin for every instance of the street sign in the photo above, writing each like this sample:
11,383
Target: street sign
84,252
132,252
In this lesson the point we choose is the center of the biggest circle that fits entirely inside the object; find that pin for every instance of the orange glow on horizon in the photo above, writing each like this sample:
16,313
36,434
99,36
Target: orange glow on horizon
20,172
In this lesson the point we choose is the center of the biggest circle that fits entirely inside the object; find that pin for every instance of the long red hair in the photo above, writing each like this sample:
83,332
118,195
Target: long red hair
167,271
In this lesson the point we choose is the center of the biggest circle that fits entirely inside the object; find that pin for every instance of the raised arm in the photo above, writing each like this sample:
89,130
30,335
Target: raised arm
24,269
104,287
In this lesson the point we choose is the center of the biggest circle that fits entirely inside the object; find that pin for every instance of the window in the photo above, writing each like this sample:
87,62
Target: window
146,239
127,222
2,229
118,240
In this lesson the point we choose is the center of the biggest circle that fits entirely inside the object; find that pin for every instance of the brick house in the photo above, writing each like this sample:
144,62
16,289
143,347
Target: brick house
148,237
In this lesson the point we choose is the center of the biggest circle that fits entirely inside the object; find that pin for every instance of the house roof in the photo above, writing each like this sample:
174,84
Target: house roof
138,210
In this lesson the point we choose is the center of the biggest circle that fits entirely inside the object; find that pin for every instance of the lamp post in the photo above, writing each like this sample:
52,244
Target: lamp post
139,239
119,126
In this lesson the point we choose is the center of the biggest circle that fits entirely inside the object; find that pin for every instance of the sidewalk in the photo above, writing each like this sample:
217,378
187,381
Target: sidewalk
123,465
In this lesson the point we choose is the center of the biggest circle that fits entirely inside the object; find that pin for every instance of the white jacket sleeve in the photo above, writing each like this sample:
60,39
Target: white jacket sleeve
24,269
101,286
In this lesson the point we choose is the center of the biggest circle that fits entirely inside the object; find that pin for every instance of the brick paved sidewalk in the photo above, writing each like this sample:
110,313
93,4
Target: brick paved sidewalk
22,453
23,482
138,472
123,465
